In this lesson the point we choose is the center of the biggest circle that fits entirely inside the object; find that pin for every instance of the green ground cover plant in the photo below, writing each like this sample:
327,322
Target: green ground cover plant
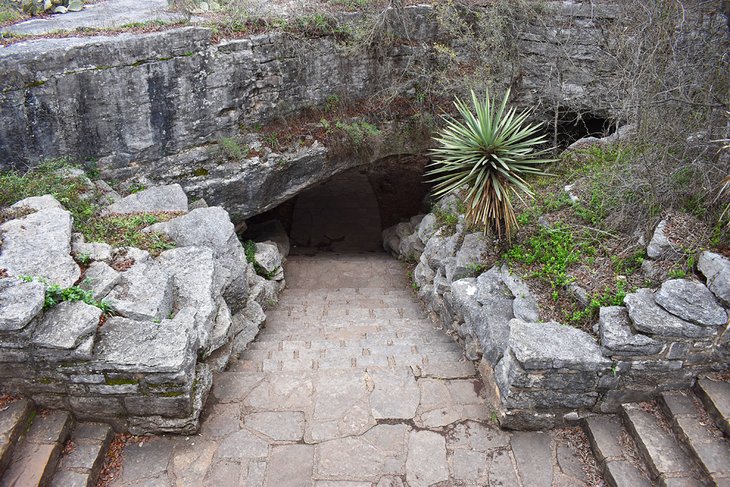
75,194
56,294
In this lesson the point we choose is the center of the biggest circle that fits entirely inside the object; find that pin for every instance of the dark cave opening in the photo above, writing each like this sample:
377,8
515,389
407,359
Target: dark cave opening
572,126
348,212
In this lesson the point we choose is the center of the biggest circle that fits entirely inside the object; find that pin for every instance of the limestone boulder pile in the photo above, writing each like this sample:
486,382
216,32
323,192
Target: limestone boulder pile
174,319
549,373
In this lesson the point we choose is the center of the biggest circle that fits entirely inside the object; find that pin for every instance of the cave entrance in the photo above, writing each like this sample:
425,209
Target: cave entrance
572,126
348,212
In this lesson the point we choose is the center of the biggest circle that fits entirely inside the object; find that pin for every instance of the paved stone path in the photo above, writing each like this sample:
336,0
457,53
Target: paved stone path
350,385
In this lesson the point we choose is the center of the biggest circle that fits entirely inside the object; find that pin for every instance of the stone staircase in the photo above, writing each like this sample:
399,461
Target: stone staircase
675,441
47,448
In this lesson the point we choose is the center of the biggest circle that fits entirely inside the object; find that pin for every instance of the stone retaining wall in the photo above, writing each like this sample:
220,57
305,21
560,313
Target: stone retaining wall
548,373
176,318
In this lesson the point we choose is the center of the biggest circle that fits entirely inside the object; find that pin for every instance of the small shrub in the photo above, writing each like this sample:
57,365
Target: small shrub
551,252
490,150
358,132
71,192
55,294
231,149
249,248
608,298
126,231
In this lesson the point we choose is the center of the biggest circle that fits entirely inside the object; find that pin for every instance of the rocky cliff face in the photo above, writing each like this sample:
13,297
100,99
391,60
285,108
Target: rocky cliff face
149,105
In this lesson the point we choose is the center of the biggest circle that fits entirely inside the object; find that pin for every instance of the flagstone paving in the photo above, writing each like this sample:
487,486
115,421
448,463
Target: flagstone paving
351,385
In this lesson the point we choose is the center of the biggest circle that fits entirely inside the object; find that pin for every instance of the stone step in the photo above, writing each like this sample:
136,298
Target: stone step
710,450
14,419
424,334
660,450
307,296
394,344
605,434
304,305
36,455
438,370
81,462
344,316
715,395
354,350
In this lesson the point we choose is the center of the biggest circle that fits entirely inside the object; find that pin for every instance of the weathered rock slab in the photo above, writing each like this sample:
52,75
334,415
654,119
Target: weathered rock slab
143,293
100,279
197,281
66,325
649,317
146,346
691,301
39,245
553,346
716,269
159,199
19,303
616,335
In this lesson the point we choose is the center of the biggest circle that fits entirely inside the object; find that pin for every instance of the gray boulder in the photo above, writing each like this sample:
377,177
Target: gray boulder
524,306
716,270
649,317
441,249
106,194
423,274
265,292
268,257
38,203
96,251
20,302
66,325
492,328
100,279
246,325
148,347
427,227
39,244
691,301
143,293
221,330
170,198
410,247
270,231
469,256
617,338
212,228
660,246
403,229
554,346
197,281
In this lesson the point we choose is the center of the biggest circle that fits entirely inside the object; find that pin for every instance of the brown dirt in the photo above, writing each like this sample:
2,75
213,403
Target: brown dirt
576,439
6,399
113,460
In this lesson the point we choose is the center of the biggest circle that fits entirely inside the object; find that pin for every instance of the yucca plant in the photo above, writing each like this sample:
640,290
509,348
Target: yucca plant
489,152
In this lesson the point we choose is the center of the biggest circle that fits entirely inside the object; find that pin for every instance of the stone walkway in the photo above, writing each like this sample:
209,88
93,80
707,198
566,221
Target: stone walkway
350,385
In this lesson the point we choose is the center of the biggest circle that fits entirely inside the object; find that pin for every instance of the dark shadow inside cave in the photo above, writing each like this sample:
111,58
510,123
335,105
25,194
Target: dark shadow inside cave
348,212
572,126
